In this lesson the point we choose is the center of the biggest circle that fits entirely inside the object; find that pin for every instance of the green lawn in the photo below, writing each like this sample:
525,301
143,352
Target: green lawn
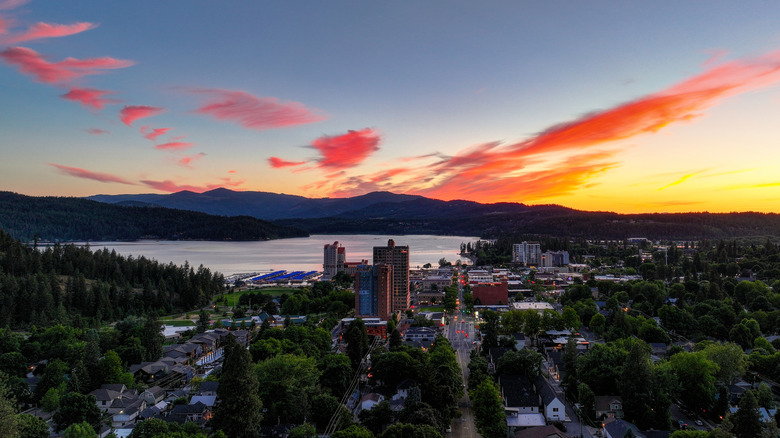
177,322
232,299
430,309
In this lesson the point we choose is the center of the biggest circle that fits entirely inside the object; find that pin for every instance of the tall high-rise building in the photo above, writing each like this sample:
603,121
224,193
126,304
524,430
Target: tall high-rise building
374,291
334,257
398,258
527,253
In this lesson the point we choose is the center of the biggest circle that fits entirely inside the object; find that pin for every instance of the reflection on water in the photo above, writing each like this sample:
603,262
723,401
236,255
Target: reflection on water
300,254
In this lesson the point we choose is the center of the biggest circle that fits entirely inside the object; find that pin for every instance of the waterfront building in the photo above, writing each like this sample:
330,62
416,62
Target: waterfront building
334,257
398,258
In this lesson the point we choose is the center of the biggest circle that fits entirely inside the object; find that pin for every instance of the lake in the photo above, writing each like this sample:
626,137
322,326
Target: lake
299,254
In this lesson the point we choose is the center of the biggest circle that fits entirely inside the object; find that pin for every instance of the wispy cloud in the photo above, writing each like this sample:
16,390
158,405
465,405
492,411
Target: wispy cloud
87,174
188,160
96,131
12,4
152,134
279,163
679,181
32,63
174,145
90,97
172,187
253,112
46,30
130,114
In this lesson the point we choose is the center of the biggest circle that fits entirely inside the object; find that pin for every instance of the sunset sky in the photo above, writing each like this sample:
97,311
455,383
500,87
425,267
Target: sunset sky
602,105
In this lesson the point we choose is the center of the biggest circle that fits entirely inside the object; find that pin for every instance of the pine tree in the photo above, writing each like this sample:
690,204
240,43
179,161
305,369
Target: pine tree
747,422
239,412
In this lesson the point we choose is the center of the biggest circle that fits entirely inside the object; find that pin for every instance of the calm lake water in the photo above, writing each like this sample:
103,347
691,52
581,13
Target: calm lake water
300,254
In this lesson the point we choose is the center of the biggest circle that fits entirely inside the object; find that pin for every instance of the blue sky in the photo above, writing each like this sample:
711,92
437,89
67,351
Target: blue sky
449,99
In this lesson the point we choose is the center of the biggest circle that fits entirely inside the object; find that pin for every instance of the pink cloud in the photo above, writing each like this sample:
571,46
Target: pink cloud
12,4
3,26
174,145
152,134
96,131
347,150
86,174
232,171
188,160
130,114
172,187
278,163
253,112
90,97
47,30
30,62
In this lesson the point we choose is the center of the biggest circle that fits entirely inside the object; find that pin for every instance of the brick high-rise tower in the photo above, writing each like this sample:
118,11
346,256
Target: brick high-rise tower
398,257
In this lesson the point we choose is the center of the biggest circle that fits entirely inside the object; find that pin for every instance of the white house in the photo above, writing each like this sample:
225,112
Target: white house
370,400
552,403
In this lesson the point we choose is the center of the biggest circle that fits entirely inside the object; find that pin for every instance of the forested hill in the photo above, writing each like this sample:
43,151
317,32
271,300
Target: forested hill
67,284
76,219
388,213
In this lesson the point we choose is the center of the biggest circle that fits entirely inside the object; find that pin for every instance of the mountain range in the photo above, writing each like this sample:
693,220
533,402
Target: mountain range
389,213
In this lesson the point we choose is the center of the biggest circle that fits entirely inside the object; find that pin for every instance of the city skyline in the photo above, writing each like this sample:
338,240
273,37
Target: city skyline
663,107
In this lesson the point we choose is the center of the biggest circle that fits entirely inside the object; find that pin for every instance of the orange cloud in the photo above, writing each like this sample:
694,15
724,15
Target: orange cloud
47,30
278,163
130,114
346,150
87,174
253,112
30,62
96,131
174,145
172,187
152,134
556,161
90,97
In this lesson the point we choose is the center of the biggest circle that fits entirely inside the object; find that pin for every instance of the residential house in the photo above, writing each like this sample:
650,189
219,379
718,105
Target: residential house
548,431
403,389
619,429
208,388
198,413
370,400
151,371
153,395
107,393
520,341
208,400
552,402
609,406
519,394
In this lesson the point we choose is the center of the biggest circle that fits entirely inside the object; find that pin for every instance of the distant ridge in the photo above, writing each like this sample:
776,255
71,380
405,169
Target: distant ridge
389,213
76,219
262,205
